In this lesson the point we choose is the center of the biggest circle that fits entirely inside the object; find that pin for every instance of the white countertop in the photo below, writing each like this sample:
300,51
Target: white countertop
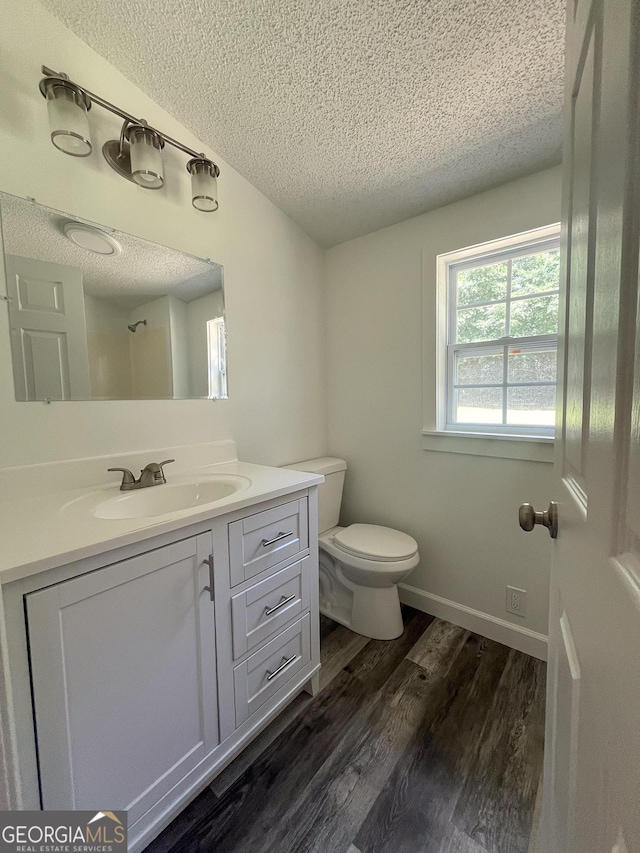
43,531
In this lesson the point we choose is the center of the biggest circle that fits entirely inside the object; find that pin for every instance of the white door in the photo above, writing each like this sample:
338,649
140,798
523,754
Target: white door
123,668
592,762
48,330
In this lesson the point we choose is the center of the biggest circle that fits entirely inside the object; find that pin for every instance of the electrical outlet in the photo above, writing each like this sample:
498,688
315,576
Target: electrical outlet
516,601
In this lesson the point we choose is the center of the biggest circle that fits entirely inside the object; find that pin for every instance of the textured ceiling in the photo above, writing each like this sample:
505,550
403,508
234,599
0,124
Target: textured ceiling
349,114
142,272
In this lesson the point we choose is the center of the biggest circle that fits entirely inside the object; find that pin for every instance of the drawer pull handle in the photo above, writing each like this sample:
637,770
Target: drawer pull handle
285,663
281,535
285,600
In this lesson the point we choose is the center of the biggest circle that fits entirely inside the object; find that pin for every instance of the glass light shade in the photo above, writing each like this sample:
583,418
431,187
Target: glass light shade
204,186
68,119
146,160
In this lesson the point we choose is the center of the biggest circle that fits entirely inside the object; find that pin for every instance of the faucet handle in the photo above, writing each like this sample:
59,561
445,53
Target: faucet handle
155,471
127,477
161,467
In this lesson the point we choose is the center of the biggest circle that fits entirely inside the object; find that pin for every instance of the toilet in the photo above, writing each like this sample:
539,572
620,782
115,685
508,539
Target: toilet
360,565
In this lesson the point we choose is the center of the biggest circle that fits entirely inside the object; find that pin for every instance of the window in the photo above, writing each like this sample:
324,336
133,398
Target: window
217,363
499,353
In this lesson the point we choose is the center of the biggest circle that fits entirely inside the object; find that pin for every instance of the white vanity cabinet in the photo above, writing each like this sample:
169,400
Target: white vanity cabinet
267,605
147,669
123,665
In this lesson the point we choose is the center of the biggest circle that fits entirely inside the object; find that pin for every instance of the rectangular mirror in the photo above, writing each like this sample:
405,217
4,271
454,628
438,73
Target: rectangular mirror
96,314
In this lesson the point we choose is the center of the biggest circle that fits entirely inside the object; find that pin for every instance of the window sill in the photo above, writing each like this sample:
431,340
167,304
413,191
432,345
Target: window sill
532,449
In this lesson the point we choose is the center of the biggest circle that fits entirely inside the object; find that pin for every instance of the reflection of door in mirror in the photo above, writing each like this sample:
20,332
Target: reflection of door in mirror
47,323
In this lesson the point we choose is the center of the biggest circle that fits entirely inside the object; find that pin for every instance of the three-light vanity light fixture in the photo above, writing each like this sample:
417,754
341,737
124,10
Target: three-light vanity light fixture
136,155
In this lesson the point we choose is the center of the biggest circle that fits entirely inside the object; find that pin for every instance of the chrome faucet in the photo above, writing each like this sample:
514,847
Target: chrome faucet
152,475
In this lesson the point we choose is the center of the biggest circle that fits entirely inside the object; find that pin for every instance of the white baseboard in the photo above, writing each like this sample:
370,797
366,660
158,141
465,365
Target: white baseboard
516,637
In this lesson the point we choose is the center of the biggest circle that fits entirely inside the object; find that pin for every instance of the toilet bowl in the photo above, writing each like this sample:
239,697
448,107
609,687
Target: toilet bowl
360,565
371,573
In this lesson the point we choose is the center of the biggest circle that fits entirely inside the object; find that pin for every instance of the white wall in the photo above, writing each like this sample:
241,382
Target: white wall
103,316
462,509
151,356
273,272
109,350
179,347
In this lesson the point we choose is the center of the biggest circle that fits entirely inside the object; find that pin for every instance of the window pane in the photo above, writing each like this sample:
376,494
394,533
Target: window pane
479,406
482,284
537,316
532,406
532,366
535,273
482,324
479,369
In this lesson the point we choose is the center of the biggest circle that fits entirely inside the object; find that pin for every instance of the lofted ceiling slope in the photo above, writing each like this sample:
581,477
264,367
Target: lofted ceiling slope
350,115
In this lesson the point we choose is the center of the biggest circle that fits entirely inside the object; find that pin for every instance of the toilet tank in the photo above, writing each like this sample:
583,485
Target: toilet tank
329,492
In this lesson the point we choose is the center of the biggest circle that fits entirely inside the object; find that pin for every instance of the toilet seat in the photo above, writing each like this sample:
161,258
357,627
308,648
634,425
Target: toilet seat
374,542
376,572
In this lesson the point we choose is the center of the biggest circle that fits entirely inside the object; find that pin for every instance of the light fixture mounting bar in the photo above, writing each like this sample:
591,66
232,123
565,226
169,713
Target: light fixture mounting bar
107,105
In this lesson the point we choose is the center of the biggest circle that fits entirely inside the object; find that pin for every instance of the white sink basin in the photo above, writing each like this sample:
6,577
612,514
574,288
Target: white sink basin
169,497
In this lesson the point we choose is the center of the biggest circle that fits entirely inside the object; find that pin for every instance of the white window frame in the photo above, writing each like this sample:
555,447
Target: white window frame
447,265
216,358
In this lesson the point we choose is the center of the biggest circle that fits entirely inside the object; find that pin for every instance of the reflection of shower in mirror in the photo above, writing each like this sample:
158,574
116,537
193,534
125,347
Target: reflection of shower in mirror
133,326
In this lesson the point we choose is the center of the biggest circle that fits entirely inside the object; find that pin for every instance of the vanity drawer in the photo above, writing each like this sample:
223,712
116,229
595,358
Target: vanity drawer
265,672
267,606
265,539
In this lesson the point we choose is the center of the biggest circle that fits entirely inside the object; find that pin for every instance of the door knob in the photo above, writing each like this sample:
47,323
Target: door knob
528,518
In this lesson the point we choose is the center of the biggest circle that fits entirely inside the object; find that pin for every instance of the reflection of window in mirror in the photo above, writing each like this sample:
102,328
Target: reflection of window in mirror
217,362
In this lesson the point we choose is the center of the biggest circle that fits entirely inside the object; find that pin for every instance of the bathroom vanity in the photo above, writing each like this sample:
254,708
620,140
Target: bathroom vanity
145,651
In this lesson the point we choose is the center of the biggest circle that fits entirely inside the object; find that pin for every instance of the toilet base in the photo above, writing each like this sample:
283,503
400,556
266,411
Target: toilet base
375,614
373,611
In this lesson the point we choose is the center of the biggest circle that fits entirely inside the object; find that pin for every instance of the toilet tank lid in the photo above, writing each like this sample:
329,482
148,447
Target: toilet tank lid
321,465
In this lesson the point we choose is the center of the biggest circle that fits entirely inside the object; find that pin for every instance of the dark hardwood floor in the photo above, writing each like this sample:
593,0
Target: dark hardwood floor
430,743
